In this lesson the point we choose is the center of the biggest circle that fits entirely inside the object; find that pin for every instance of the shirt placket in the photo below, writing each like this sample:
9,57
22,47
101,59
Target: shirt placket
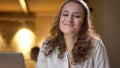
67,55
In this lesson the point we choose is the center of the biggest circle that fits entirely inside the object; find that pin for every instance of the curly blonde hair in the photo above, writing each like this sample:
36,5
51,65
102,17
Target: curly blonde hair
84,43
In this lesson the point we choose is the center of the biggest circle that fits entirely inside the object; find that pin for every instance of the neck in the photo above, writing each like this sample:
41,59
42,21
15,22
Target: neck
70,41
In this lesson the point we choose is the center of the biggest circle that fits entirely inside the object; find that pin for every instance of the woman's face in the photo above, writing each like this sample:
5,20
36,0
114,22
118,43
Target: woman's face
72,18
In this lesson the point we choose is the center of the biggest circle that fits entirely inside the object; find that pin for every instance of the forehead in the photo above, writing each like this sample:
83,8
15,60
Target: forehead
73,6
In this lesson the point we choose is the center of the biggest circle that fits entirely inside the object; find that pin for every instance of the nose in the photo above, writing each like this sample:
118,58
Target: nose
70,19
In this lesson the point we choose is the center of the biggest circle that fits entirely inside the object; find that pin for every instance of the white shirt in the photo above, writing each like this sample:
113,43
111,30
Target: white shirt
97,59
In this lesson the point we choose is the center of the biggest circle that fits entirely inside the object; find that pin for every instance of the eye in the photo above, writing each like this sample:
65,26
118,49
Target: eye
64,14
77,16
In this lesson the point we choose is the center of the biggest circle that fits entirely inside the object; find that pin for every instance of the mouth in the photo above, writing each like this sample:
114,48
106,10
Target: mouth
69,24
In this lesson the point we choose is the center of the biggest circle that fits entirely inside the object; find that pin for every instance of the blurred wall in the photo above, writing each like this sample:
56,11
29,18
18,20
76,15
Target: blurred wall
107,22
44,21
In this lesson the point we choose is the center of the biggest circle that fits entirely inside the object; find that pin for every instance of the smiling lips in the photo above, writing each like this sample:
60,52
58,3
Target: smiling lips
69,24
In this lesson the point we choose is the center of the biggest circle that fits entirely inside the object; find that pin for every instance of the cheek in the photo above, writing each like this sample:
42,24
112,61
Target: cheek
79,24
61,22
62,19
60,25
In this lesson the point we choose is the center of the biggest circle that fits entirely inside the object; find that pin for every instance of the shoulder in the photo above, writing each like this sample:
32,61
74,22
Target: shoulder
97,42
98,47
99,54
43,46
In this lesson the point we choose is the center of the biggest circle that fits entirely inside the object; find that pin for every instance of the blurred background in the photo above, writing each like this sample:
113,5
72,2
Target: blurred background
25,24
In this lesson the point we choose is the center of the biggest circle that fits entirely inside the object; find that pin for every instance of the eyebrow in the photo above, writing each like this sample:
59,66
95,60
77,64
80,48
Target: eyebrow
65,11
75,12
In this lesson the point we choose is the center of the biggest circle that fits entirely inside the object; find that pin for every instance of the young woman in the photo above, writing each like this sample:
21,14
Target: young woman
73,42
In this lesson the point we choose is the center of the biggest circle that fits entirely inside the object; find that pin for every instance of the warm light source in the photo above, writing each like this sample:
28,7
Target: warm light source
24,39
24,5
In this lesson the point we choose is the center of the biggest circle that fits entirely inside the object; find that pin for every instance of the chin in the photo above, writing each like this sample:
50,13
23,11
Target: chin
67,32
